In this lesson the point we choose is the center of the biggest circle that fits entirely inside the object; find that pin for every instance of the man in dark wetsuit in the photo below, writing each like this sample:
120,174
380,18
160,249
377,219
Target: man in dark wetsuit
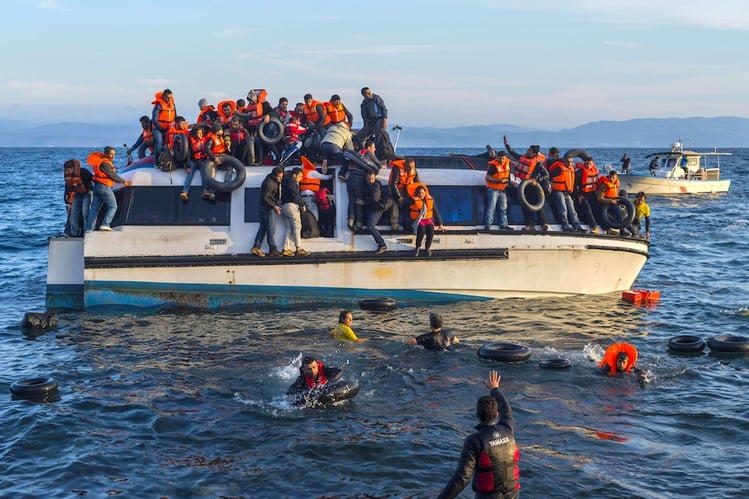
313,373
490,455
437,338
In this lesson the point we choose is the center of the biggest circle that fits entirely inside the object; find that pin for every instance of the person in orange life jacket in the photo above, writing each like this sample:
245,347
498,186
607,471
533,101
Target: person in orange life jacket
258,110
162,117
607,193
490,456
437,338
586,183
78,192
181,127
356,183
337,139
376,202
314,373
402,174
198,154
425,216
145,139
497,180
207,114
309,186
529,166
105,175
214,148
374,114
292,206
562,173
337,112
621,357
270,206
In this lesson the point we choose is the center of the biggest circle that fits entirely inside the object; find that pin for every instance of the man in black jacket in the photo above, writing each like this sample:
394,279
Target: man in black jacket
270,204
490,455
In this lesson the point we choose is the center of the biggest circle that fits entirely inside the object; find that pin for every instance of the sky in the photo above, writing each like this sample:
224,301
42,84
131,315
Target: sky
540,64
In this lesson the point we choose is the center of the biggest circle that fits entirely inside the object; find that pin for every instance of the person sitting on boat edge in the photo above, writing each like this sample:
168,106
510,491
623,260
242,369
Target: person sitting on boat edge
314,373
343,330
437,339
376,202
489,458
424,215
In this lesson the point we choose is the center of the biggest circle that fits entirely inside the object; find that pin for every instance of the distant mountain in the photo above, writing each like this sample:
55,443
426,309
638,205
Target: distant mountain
642,132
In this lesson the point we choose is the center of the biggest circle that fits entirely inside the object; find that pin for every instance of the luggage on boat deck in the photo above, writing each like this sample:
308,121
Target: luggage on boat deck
310,228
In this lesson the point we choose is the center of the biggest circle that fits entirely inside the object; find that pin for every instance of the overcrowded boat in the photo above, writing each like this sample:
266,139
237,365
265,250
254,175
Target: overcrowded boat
679,171
163,250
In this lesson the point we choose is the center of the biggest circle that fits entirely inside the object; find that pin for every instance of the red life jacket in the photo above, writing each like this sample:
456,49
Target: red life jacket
321,379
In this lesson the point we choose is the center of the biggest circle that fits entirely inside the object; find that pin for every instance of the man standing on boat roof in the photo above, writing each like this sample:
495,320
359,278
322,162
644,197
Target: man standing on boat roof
374,114
529,166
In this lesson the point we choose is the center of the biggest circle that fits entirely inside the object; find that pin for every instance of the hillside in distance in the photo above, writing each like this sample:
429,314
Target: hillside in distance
696,132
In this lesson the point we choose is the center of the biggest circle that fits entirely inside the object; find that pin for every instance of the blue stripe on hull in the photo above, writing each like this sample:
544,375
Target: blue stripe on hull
217,296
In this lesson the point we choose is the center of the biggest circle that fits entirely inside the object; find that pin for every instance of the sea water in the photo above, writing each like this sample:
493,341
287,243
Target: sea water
182,403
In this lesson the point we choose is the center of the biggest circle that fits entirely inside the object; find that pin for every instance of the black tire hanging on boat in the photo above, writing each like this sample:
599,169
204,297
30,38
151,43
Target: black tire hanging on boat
180,148
524,197
578,153
265,130
686,343
728,343
34,388
330,393
556,363
612,220
504,352
378,304
234,169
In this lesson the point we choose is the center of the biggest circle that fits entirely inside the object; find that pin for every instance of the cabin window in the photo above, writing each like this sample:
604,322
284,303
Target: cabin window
163,206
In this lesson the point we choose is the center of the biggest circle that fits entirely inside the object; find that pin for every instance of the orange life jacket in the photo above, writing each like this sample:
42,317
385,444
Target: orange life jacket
415,208
612,188
336,114
501,177
405,177
217,146
609,358
564,180
308,183
588,177
310,111
96,159
526,165
167,112
197,148
74,182
221,116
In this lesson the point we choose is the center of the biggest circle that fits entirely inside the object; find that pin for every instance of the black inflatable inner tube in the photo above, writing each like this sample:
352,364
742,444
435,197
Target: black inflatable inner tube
378,304
557,363
180,148
235,173
610,218
35,388
686,343
578,153
330,393
523,195
504,352
270,132
357,159
728,343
